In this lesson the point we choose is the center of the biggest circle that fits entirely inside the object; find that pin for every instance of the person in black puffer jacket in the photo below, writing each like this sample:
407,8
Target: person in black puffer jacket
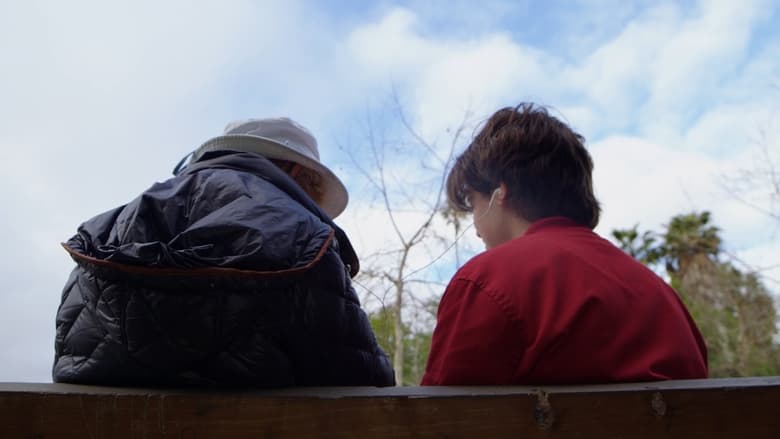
231,273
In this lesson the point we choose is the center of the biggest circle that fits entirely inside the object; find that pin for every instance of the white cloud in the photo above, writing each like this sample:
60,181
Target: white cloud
615,75
714,132
446,77
765,260
99,101
640,182
693,64
691,60
479,74
390,47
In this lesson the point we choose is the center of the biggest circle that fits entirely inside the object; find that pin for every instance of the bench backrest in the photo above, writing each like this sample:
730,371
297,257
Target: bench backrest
713,408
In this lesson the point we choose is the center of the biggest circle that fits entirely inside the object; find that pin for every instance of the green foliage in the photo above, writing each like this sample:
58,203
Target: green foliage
734,311
643,248
688,237
417,343
738,318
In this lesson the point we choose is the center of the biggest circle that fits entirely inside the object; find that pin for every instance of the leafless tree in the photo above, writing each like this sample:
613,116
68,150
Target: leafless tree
406,176
759,186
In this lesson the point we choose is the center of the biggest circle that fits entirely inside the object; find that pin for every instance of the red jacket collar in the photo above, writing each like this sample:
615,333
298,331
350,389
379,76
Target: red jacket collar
552,222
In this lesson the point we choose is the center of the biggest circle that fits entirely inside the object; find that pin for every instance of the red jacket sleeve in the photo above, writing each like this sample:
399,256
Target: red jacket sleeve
475,341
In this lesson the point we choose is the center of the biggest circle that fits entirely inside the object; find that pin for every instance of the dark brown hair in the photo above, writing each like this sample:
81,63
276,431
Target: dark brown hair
542,162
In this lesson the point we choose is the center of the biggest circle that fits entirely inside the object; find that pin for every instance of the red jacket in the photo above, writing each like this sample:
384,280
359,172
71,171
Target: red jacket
561,305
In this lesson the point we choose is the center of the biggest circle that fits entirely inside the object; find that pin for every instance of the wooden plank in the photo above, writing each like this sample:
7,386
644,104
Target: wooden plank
748,407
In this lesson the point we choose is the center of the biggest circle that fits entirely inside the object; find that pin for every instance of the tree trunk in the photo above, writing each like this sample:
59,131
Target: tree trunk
398,356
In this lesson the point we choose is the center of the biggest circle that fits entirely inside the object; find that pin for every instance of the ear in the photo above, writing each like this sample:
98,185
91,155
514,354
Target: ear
501,193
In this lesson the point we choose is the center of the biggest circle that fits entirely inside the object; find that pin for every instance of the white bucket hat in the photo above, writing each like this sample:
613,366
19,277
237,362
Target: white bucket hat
282,139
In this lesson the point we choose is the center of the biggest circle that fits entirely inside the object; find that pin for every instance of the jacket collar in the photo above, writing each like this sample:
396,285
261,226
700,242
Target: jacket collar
263,168
552,222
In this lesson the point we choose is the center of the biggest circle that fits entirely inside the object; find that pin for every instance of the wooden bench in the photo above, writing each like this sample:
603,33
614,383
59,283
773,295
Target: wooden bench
716,408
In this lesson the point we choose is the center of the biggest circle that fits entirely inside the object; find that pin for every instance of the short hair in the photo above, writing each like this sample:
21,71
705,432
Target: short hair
541,160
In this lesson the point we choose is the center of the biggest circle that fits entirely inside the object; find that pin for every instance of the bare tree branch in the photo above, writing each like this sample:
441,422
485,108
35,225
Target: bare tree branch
389,271
763,176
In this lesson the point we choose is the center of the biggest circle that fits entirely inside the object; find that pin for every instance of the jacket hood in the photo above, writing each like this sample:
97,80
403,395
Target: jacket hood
229,214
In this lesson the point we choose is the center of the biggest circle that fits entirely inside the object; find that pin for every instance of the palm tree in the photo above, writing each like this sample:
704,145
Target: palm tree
690,239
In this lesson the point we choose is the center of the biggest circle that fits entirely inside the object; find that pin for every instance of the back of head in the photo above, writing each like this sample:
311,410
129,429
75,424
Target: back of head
541,160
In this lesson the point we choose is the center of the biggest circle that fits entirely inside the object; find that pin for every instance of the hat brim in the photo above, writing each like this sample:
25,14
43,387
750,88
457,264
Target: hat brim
335,196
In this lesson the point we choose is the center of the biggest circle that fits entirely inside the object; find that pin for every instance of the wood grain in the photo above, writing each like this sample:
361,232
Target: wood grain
725,408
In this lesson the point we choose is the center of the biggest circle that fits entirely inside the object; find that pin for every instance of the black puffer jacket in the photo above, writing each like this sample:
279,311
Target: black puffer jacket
227,274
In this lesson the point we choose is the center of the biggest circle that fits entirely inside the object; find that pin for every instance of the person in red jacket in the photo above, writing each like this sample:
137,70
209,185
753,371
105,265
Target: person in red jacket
549,301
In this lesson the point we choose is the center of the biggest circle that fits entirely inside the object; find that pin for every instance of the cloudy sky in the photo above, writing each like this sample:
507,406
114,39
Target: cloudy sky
100,99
